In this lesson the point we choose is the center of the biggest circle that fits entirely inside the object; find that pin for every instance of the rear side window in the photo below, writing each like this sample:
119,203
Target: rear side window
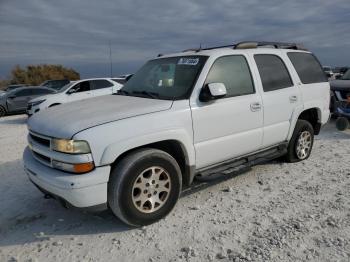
234,73
307,67
98,84
273,72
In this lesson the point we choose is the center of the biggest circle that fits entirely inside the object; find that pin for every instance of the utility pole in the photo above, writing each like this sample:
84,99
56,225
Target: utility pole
110,58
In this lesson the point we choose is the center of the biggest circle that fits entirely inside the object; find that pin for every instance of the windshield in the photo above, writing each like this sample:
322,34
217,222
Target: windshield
55,84
165,78
67,86
346,76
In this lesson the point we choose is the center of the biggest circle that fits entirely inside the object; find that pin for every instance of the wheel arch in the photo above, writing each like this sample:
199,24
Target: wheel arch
54,104
311,114
173,147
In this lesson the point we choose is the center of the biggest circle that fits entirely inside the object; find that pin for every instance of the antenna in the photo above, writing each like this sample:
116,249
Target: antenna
110,58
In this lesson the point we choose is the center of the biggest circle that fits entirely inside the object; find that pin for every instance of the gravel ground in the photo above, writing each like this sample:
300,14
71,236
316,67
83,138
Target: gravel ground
272,212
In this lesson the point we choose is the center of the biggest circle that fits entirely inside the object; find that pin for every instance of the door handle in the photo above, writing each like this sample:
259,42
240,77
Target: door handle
293,99
256,106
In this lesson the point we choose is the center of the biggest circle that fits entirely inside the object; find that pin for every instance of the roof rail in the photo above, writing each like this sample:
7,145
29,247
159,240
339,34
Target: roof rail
278,45
253,44
208,48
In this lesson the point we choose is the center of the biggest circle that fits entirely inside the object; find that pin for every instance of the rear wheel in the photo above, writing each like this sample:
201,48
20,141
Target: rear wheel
301,143
144,187
342,123
2,111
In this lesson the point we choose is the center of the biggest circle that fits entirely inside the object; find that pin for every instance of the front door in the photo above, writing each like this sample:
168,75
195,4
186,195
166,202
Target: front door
19,99
231,126
79,91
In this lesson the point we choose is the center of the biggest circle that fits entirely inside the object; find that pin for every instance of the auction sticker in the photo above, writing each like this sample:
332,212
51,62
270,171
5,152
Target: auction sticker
188,61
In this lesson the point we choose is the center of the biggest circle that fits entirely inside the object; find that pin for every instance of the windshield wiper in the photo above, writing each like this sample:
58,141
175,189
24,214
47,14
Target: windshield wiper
146,93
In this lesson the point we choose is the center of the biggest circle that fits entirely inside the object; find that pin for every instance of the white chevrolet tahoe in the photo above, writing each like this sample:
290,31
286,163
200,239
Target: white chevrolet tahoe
195,113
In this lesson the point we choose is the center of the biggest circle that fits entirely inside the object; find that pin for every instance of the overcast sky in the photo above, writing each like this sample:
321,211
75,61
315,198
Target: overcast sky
76,33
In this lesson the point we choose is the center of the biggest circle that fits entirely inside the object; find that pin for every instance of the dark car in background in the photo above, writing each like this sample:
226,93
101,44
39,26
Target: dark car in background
55,84
340,90
15,101
13,87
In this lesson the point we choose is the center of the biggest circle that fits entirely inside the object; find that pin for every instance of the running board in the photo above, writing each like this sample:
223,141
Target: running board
233,165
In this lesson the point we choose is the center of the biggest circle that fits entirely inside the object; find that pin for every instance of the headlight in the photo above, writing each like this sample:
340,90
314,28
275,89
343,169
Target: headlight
73,168
70,146
37,102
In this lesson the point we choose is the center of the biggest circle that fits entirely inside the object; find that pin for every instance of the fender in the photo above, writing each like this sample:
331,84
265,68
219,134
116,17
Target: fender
113,151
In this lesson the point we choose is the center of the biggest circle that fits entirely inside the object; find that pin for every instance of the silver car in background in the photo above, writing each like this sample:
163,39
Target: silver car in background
15,101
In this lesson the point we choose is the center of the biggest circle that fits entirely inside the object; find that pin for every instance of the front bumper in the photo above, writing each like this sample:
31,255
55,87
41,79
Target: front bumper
82,191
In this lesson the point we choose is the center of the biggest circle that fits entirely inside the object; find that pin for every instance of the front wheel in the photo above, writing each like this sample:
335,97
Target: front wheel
144,187
301,143
2,111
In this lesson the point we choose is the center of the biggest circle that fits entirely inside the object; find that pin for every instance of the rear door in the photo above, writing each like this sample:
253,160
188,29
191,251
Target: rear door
19,100
101,87
313,84
280,96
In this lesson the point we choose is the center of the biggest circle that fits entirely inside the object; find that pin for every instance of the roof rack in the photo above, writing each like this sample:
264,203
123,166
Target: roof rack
277,45
252,45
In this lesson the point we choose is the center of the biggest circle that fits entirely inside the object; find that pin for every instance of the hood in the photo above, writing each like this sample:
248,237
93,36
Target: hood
340,85
68,119
41,98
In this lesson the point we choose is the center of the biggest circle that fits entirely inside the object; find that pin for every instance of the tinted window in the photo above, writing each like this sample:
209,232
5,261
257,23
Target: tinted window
307,67
234,73
24,92
81,87
273,72
98,84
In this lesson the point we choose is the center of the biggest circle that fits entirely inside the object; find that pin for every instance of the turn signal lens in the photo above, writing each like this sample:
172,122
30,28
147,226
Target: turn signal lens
83,168
73,168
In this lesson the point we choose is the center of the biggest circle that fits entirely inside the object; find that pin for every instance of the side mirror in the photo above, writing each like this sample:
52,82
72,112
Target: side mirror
71,91
212,91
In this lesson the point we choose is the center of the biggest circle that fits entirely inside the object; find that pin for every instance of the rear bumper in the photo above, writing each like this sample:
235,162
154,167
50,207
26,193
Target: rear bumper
82,191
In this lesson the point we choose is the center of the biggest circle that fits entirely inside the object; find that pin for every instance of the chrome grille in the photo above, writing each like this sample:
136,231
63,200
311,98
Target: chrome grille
44,159
42,140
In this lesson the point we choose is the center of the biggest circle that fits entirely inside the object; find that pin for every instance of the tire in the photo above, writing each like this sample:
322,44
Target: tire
128,184
300,145
342,123
2,111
